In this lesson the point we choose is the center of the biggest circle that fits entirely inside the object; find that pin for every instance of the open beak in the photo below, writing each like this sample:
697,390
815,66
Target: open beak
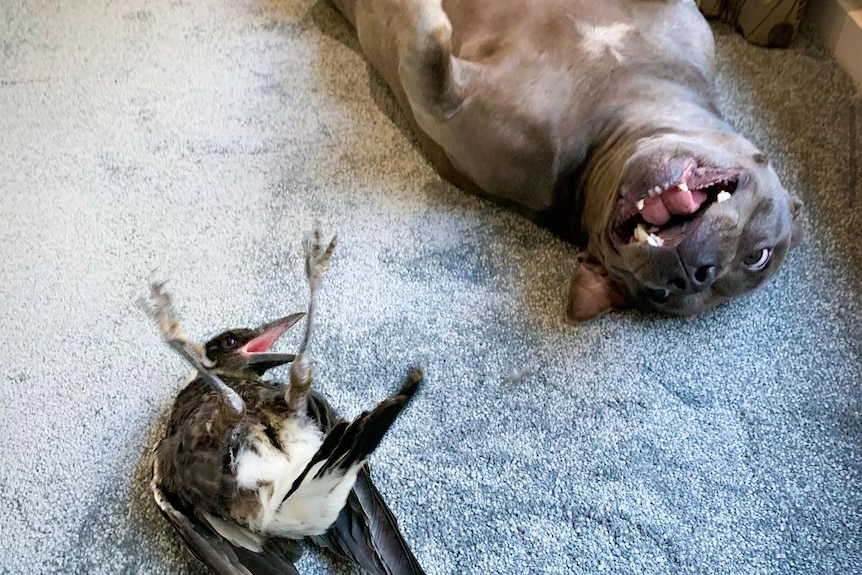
257,352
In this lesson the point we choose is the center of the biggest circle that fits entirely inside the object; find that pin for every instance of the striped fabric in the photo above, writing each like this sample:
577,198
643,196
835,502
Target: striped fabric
771,23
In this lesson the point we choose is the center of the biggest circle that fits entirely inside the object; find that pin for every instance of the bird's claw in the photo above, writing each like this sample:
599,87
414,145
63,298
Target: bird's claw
316,256
162,312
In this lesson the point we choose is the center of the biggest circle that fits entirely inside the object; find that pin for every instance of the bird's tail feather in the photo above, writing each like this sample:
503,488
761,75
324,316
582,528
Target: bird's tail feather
367,533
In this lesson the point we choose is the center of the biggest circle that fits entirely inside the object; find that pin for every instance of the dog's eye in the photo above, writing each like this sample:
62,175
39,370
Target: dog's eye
757,261
658,295
229,342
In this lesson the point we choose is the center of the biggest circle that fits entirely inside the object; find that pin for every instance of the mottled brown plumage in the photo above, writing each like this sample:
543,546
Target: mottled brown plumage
197,457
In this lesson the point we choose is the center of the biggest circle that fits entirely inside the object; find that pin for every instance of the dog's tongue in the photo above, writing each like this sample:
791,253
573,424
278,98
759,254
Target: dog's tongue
672,202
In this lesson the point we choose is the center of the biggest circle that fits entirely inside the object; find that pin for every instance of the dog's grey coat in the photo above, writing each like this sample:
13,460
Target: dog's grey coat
580,114
200,138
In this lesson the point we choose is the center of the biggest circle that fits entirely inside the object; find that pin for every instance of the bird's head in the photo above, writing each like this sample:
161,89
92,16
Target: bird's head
249,349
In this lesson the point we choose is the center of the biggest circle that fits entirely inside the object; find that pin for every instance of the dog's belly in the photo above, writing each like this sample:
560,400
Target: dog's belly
547,78
573,35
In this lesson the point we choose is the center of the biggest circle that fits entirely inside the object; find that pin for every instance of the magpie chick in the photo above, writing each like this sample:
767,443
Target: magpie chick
247,466
366,531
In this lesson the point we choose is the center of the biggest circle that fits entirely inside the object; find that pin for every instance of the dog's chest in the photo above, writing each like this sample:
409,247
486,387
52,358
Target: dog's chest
612,41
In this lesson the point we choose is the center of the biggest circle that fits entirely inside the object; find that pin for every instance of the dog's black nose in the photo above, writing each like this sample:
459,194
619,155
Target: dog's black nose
702,277
700,260
696,279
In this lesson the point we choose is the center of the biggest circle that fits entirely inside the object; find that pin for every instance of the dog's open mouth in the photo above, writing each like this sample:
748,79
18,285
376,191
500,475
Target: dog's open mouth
662,215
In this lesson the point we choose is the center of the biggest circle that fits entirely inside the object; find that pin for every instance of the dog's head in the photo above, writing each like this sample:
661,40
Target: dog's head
694,220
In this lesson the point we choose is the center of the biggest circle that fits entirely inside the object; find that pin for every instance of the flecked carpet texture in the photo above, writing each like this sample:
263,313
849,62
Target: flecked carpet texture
199,141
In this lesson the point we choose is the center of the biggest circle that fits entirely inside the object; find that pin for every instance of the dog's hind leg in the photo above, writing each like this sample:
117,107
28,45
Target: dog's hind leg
420,35
428,71
347,9
409,43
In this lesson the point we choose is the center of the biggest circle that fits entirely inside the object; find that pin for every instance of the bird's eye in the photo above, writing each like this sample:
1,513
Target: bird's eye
229,342
759,260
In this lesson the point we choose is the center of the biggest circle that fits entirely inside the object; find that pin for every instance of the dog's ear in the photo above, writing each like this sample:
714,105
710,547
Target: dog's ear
795,223
592,292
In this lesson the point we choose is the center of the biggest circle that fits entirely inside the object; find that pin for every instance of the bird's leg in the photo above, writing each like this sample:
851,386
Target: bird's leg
316,259
162,312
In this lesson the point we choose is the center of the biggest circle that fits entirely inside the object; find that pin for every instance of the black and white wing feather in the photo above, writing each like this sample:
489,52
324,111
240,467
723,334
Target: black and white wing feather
274,556
347,446
366,531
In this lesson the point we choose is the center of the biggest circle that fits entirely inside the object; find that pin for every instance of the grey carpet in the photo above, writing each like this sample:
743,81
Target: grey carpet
201,139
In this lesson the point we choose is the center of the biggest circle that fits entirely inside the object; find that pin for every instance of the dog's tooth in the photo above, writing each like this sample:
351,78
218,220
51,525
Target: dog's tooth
655,240
641,234
640,205
656,190
683,187
723,195
653,229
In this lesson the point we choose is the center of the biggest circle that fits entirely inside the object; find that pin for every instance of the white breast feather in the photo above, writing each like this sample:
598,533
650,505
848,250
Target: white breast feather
313,507
301,440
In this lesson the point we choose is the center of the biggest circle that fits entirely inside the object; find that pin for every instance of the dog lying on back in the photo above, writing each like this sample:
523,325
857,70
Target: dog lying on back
597,119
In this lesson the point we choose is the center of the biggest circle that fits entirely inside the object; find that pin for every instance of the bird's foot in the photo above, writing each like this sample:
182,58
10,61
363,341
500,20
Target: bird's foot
316,257
162,312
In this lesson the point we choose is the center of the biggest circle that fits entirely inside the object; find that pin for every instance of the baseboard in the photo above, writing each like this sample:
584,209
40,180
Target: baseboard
839,25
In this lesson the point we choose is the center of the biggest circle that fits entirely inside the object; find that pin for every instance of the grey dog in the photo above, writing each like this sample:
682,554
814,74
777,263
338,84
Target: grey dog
596,118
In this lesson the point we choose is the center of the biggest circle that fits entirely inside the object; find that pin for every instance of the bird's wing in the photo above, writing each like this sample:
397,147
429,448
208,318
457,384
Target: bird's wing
346,446
241,553
367,532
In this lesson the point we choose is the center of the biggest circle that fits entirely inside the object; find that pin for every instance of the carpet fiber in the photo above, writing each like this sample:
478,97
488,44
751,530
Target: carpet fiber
202,140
